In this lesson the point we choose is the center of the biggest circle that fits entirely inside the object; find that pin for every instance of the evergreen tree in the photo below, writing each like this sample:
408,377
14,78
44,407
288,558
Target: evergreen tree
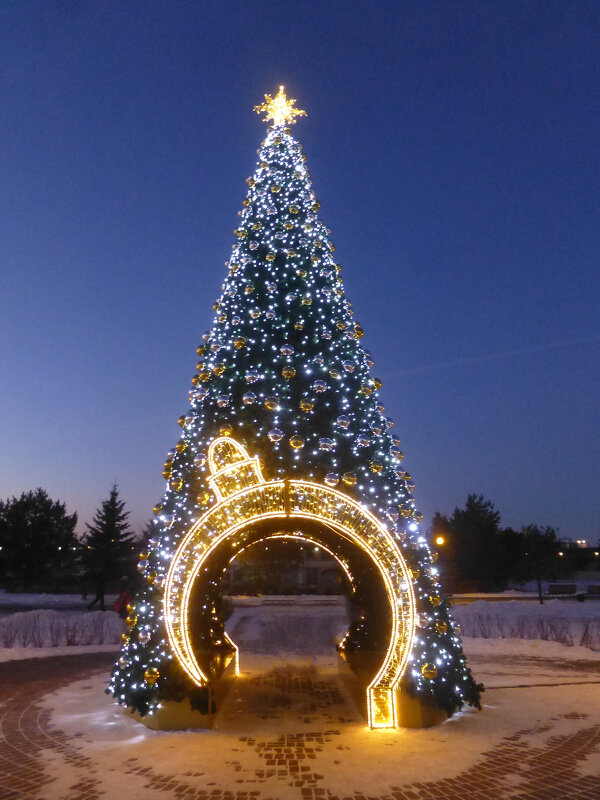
108,545
38,545
475,531
541,548
282,368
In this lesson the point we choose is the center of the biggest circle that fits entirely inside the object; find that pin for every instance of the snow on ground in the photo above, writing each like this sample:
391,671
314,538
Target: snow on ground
21,600
18,653
297,692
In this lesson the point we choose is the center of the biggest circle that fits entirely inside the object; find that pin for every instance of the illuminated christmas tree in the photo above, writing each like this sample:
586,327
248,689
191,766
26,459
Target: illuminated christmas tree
286,436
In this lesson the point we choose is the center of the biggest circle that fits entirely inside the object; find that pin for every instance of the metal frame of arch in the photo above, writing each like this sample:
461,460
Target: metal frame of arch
244,499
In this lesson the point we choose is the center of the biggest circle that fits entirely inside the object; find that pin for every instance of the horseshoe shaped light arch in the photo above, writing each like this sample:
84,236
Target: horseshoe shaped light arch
246,498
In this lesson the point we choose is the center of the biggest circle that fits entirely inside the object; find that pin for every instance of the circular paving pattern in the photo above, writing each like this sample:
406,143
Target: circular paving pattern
292,732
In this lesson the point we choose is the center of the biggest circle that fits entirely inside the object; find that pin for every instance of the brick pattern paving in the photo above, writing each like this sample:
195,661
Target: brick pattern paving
515,768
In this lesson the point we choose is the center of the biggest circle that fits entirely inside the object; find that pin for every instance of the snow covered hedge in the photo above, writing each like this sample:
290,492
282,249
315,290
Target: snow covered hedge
273,626
46,628
567,622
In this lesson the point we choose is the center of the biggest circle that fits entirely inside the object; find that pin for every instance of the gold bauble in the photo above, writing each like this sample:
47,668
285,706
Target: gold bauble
241,233
376,466
195,380
288,226
151,675
275,188
129,608
306,404
294,210
441,627
377,383
222,317
167,473
216,306
257,226
296,442
366,390
157,509
203,498
415,574
248,288
181,421
131,620
180,446
250,181
307,301
299,326
333,373
150,578
358,331
349,478
429,671
200,366
271,403
204,376
316,206
239,342
255,313
435,599
201,350
301,273
176,484
340,324
124,638
288,372
226,430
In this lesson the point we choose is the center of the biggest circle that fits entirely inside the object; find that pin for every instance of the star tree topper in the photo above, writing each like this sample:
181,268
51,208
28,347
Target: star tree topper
279,109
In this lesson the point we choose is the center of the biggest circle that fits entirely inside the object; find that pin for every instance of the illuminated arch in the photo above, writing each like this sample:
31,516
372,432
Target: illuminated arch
244,498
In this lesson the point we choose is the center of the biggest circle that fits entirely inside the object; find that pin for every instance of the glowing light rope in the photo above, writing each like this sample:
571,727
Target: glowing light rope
249,500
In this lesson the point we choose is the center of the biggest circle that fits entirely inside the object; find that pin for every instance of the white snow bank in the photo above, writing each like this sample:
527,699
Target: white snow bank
19,653
46,600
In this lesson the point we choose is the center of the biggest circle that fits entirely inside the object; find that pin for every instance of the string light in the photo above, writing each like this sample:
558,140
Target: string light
282,374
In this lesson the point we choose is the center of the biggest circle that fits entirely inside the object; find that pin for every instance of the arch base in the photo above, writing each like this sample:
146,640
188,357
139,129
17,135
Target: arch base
387,708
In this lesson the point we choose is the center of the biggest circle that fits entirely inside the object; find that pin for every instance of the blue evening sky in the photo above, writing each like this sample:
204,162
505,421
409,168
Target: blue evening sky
454,147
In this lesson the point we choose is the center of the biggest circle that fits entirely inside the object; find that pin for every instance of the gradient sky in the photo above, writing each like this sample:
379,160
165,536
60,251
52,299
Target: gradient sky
454,147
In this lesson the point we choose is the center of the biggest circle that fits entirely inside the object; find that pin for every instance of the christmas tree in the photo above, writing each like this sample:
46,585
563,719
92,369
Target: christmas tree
282,376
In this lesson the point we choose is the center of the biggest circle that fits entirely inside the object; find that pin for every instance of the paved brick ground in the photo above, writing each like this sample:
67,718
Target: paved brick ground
547,770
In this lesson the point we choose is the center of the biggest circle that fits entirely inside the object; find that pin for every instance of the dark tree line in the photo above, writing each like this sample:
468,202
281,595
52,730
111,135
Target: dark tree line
40,550
477,554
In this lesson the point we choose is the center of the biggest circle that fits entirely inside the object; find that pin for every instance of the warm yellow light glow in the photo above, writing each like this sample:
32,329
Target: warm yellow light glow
244,498
279,108
439,540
